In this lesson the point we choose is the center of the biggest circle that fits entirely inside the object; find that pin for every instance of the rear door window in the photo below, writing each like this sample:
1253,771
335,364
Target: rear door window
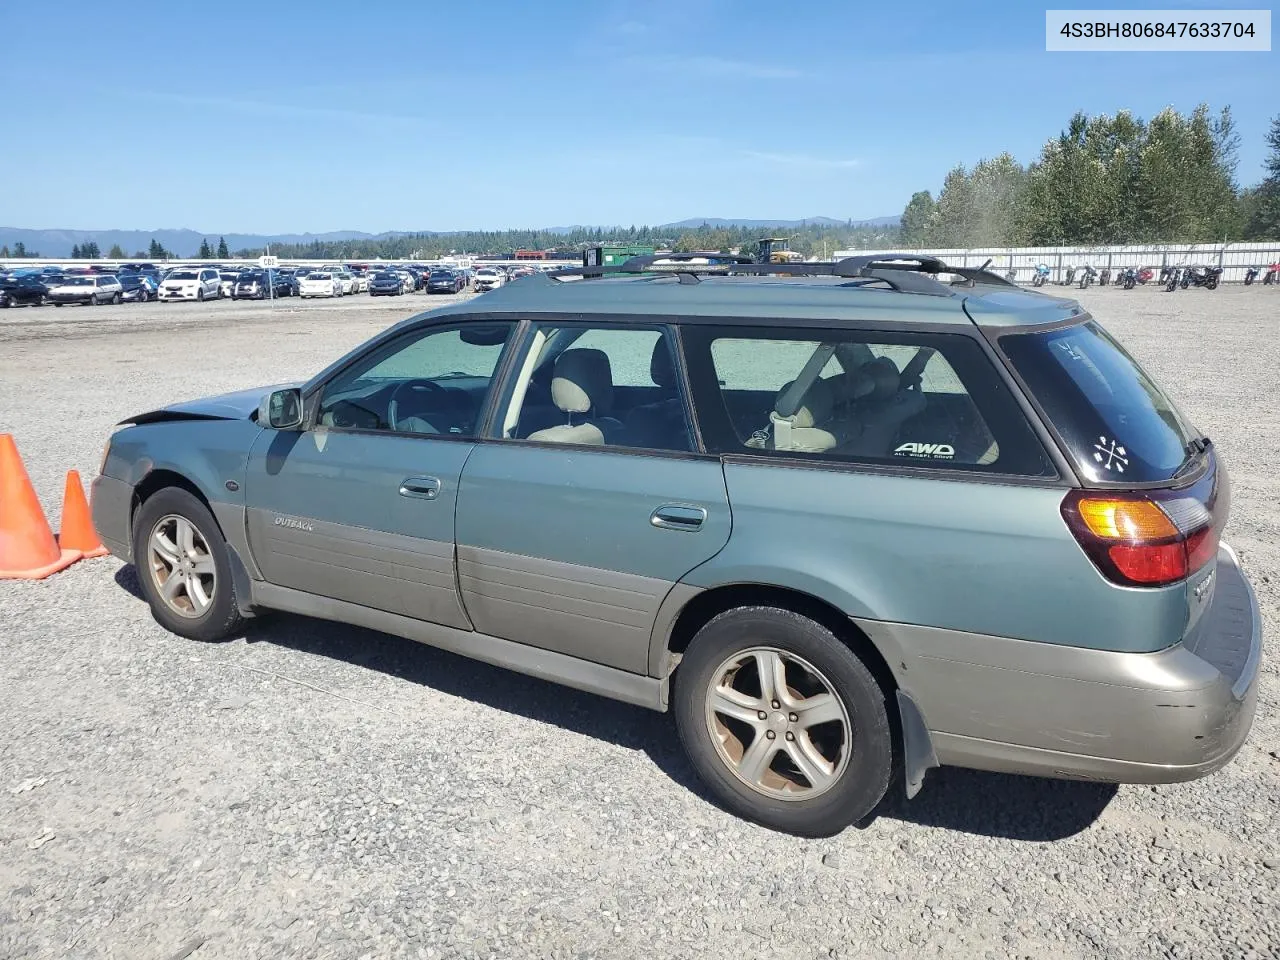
1117,424
931,400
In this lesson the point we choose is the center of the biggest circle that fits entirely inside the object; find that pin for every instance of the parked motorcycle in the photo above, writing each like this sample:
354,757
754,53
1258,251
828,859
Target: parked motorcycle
1145,274
1170,277
1128,279
1104,277
1011,275
1087,276
1272,275
1070,277
1165,273
1206,277
1041,276
1251,275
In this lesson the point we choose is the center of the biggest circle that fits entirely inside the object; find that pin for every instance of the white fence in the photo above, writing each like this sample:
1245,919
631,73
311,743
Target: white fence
1234,258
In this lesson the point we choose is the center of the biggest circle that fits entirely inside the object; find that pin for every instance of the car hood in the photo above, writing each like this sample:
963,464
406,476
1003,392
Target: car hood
240,405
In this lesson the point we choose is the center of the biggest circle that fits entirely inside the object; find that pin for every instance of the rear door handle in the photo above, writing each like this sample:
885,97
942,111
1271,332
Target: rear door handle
424,488
678,516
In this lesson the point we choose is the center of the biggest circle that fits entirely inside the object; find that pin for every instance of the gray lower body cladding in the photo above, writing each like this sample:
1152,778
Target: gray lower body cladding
1015,706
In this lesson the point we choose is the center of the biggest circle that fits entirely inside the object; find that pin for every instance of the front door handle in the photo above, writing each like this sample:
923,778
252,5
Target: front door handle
424,488
678,516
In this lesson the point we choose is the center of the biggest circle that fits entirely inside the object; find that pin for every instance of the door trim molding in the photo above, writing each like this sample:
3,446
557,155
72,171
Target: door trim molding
648,692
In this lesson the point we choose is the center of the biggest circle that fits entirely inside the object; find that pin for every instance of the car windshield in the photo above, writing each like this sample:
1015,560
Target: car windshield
252,277
183,275
319,276
1118,425
78,282
386,276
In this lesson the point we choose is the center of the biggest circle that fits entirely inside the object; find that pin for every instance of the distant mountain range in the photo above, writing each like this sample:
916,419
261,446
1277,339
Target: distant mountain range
186,243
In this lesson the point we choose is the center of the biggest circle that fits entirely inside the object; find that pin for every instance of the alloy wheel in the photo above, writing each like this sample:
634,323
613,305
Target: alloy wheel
181,566
778,724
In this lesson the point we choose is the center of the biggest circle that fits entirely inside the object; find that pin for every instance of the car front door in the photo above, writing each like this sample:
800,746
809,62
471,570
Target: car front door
591,503
359,506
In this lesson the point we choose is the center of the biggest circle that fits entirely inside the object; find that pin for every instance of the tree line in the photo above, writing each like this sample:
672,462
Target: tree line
1107,180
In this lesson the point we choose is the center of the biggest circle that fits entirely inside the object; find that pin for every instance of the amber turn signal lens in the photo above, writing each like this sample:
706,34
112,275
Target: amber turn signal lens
1126,519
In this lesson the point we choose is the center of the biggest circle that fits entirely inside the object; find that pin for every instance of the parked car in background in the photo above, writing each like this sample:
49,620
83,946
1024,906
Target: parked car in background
361,281
444,281
408,282
23,290
489,278
191,284
344,277
320,283
227,282
386,284
137,287
89,290
260,285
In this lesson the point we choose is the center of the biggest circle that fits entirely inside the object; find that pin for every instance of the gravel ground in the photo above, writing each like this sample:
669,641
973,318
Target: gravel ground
314,790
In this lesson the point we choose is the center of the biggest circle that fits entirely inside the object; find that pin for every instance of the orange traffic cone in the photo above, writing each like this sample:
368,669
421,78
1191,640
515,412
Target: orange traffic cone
77,526
28,550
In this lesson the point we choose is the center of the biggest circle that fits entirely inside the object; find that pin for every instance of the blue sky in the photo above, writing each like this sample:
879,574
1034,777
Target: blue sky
279,116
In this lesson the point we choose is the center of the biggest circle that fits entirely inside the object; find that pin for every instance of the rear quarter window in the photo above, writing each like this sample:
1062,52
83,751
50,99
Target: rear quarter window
889,398
1115,421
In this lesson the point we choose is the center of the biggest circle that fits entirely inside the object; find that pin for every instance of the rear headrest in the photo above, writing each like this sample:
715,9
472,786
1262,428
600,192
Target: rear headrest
878,380
662,369
815,406
582,382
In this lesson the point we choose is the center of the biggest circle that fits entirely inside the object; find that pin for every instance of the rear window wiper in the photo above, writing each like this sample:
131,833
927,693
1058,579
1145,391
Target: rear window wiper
1193,449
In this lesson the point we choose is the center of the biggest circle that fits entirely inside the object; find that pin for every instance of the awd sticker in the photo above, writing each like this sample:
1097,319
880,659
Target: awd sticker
935,451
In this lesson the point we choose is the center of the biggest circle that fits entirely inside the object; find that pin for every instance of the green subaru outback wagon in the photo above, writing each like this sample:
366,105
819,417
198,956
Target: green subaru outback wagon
847,521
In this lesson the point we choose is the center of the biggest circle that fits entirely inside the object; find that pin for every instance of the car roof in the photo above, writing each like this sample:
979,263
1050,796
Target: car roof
766,299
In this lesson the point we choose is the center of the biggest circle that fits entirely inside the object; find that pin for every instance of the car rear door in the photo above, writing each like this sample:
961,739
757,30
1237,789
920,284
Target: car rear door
360,506
571,542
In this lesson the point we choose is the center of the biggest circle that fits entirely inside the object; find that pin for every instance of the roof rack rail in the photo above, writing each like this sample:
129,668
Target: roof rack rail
907,272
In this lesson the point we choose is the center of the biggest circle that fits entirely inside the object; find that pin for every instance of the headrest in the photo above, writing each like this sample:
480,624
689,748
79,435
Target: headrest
877,380
815,406
662,369
582,382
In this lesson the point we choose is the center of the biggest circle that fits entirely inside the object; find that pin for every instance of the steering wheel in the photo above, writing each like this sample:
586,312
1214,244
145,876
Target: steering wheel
416,385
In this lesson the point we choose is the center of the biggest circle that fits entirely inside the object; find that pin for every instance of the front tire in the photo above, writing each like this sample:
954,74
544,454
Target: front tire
200,295
783,722
184,567
115,299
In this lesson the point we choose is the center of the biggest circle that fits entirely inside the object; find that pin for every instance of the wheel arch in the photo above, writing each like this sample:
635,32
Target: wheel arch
162,478
703,606
912,744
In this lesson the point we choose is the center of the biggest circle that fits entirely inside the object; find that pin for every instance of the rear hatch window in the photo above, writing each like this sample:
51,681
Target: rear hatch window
1116,423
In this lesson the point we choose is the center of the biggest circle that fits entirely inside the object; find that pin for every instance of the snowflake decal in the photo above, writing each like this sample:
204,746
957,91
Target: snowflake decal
1110,454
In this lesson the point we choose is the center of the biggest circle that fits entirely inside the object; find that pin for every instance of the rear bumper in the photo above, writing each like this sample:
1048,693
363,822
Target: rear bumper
1013,706
111,502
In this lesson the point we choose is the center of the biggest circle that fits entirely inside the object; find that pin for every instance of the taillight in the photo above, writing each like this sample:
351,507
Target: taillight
1149,538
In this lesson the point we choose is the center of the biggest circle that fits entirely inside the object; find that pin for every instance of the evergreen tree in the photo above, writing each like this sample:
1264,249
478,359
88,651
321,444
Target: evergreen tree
157,252
205,252
115,253
4,252
75,251
223,252
917,219
90,251
1262,205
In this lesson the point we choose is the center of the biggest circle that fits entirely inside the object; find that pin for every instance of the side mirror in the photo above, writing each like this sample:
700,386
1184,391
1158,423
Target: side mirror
281,409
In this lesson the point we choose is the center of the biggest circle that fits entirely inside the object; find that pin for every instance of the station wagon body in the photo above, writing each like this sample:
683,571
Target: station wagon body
832,522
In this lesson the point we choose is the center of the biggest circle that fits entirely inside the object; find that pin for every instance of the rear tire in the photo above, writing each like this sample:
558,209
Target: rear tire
220,617
200,295
115,299
851,753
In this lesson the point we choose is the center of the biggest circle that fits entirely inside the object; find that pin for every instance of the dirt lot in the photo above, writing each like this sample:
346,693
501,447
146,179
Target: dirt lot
314,790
